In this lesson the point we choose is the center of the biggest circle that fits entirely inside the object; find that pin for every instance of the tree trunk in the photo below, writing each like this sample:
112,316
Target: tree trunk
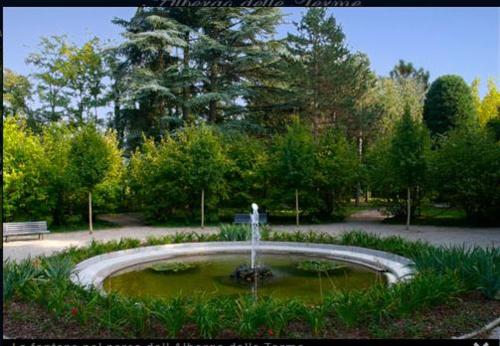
408,211
360,153
58,214
185,89
91,229
297,207
212,112
333,203
95,108
417,201
202,208
212,105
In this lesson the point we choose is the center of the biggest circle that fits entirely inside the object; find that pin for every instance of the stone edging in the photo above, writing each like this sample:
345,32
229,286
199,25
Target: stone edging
490,326
93,271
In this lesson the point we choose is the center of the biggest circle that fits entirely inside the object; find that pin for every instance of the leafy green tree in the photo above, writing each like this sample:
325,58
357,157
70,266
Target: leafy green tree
24,192
70,79
466,171
56,142
110,193
377,165
379,110
89,161
245,174
408,153
293,163
204,163
51,86
17,90
83,70
390,98
337,170
448,101
153,175
328,79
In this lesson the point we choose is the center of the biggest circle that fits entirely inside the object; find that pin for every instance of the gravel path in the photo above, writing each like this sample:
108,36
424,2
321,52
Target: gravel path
485,237
20,248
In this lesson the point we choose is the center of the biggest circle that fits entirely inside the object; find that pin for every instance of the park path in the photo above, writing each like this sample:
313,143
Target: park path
367,221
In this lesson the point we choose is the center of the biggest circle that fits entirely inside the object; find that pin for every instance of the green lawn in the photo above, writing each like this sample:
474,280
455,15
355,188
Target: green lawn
438,216
352,208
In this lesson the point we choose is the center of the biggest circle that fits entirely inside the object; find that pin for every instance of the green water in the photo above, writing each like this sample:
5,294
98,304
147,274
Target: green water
212,275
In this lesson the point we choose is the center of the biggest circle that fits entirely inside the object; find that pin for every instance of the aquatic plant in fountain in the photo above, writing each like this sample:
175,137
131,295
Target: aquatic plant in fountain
173,267
247,273
320,266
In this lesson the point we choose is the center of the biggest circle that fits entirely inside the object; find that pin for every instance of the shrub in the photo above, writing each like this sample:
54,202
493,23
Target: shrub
291,168
234,232
353,308
337,171
493,125
16,277
25,192
208,315
476,267
167,178
423,291
466,171
172,314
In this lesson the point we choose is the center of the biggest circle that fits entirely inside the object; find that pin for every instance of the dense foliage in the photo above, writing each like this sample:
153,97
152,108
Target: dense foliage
466,172
168,178
44,177
209,112
48,175
407,157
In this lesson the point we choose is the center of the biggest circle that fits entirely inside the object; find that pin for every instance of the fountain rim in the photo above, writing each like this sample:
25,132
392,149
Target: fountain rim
93,271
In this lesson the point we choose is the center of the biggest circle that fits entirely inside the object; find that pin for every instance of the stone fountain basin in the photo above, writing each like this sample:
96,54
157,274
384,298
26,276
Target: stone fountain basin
93,271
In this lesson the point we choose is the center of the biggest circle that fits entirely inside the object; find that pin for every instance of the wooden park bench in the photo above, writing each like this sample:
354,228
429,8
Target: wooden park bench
25,228
245,219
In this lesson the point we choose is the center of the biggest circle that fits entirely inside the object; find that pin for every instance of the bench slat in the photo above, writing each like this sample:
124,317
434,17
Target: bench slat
25,233
28,229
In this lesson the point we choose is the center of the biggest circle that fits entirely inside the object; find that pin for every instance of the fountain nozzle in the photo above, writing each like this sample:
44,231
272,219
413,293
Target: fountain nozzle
255,207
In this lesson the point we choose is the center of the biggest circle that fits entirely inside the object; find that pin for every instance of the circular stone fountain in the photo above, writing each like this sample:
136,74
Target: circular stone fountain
96,270
136,271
